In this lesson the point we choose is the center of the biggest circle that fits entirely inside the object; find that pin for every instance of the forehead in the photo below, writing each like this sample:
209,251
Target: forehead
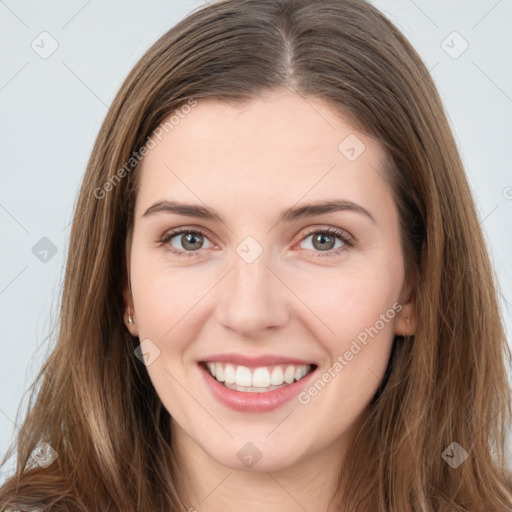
279,144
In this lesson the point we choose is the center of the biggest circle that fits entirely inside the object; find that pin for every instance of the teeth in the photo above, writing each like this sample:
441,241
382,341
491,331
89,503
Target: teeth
261,378
276,378
257,379
289,374
219,372
243,376
253,389
229,374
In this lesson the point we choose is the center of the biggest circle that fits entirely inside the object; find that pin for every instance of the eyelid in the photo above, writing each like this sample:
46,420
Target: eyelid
331,230
171,233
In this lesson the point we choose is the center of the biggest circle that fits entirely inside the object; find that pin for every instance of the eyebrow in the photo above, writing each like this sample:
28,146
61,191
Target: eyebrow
289,214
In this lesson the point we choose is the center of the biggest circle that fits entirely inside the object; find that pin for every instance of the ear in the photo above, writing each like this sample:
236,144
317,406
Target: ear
129,312
406,321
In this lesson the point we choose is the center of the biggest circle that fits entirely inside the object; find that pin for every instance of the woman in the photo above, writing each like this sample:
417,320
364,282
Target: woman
277,293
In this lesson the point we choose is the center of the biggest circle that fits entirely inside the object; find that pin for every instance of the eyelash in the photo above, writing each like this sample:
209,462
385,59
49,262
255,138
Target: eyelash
342,235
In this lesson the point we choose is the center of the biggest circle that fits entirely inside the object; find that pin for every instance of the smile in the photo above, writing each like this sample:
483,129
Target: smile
257,380
255,389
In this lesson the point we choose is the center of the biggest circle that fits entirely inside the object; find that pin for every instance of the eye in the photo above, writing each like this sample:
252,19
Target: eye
190,240
323,240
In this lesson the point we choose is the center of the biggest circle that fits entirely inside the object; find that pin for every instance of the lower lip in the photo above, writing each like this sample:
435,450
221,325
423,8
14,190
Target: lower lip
254,402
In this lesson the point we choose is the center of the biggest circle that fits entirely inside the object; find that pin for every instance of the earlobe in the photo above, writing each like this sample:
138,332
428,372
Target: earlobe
129,316
406,324
406,320
130,325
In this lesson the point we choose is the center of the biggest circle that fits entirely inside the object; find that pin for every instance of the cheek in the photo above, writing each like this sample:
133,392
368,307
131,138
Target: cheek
166,304
357,331
172,306
163,293
345,302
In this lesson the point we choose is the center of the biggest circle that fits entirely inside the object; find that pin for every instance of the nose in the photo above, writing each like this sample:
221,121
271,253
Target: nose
252,298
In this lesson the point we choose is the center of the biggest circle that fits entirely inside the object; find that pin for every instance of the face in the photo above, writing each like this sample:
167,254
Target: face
298,306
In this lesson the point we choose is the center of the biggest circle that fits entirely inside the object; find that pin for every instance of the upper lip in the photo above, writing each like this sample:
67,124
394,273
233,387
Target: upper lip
254,362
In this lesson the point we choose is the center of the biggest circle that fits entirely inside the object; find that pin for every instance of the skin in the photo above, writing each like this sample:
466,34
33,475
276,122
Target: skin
249,164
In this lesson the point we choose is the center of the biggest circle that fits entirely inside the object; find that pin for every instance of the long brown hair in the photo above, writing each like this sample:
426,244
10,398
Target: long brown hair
94,403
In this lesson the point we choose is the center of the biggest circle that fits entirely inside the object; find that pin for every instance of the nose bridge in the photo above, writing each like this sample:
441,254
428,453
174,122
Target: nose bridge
252,298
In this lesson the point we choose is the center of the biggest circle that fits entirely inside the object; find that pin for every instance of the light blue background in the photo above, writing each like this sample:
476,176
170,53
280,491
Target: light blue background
51,110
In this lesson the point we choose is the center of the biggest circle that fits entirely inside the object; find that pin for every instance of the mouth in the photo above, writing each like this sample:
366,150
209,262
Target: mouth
260,379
